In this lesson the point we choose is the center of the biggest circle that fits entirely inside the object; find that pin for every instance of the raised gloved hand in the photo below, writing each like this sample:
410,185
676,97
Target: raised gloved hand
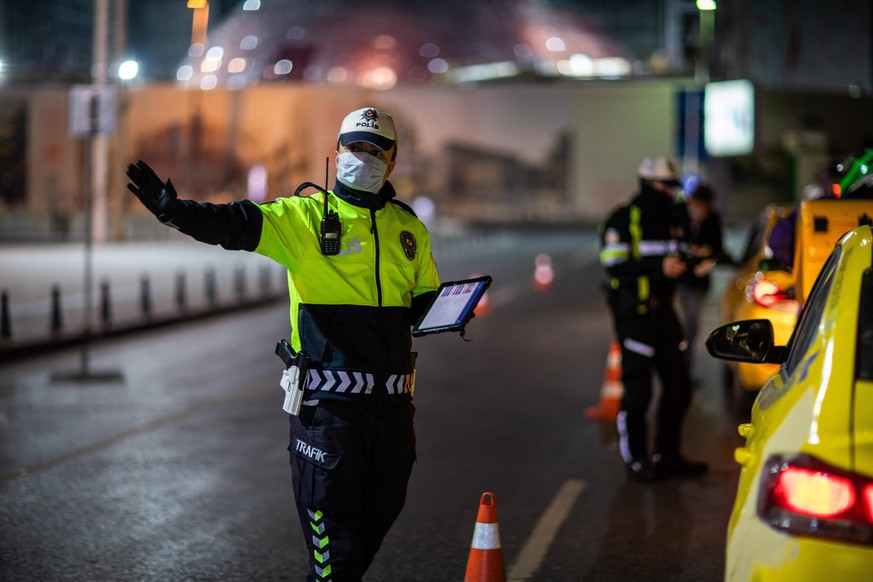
159,197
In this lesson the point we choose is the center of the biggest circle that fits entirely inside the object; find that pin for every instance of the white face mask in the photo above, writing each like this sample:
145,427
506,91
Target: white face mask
361,171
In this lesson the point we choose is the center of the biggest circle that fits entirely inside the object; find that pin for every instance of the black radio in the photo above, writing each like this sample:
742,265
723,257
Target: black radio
330,231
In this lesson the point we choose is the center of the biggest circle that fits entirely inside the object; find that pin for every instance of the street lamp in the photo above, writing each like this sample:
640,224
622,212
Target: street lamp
200,21
128,70
706,11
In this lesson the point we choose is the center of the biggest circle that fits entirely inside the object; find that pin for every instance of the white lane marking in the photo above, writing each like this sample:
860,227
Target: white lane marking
534,551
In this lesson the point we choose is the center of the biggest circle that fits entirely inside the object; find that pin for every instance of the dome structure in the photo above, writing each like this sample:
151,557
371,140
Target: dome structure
381,43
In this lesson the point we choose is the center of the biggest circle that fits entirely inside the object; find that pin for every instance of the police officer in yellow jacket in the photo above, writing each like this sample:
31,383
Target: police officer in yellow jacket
357,283
641,245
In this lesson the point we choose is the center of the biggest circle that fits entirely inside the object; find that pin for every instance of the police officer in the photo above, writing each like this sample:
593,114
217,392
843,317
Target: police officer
640,250
352,304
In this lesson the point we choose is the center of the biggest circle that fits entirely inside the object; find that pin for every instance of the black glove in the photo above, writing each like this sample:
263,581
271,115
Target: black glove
159,197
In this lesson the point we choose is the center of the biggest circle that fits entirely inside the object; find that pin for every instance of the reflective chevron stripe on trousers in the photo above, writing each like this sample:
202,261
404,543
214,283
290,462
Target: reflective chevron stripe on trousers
350,465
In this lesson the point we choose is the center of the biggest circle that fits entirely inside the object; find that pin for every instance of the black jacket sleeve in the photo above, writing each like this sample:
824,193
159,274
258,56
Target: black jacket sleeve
235,226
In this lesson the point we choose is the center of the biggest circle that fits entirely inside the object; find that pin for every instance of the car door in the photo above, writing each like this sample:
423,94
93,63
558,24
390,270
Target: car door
805,331
767,414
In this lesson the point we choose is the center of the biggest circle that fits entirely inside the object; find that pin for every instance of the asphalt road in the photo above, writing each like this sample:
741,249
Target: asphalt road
171,463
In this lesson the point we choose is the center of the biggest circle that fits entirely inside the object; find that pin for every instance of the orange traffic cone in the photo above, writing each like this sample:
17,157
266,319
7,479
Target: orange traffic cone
482,307
611,392
485,563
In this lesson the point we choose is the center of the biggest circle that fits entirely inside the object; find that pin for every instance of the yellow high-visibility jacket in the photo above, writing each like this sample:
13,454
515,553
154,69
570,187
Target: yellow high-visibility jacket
352,311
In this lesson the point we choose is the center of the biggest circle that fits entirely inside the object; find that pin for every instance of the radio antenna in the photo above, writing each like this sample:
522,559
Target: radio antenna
326,178
331,228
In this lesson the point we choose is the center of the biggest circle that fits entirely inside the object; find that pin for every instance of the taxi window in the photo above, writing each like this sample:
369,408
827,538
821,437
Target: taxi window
807,324
863,361
754,239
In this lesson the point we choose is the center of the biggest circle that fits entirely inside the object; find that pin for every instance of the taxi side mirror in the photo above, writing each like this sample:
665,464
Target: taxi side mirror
750,340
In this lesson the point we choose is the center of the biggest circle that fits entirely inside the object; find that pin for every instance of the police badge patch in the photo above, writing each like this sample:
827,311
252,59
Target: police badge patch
407,241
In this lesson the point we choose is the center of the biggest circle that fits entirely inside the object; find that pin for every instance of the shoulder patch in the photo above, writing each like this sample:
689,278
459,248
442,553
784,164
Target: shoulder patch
409,244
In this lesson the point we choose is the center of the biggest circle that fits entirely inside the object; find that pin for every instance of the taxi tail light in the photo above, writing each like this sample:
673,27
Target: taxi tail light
766,293
804,496
868,499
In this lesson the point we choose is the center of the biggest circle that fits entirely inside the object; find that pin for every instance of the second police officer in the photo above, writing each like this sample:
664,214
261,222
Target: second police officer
640,251
357,283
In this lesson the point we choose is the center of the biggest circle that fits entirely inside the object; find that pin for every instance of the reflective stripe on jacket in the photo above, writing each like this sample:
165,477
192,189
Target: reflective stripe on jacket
634,241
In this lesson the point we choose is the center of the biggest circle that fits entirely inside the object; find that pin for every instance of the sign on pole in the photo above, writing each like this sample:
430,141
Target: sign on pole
729,118
92,109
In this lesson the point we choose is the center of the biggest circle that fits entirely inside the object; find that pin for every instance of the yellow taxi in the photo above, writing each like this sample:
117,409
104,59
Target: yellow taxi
804,503
760,288
773,285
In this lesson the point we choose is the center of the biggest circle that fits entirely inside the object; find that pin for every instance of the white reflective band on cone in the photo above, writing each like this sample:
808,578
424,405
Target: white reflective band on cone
486,537
613,389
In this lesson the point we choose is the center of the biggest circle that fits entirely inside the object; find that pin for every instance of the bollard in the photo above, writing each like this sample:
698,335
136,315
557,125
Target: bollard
105,304
239,282
145,299
211,292
5,322
56,324
181,299
265,280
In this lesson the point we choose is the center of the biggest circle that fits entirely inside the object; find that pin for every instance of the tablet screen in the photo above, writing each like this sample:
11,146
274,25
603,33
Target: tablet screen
452,306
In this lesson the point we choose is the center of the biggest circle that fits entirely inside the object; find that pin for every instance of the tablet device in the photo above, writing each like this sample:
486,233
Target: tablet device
452,306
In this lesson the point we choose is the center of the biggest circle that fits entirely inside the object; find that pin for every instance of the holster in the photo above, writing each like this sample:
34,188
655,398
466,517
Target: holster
293,377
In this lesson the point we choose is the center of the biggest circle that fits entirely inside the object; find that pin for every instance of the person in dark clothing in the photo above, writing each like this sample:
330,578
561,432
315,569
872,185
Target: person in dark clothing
704,249
640,251
781,241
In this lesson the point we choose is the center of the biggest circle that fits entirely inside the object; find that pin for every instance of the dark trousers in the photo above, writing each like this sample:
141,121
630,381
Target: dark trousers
350,465
689,302
651,344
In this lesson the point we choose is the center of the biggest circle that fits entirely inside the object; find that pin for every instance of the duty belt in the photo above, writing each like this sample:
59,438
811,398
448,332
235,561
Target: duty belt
344,382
